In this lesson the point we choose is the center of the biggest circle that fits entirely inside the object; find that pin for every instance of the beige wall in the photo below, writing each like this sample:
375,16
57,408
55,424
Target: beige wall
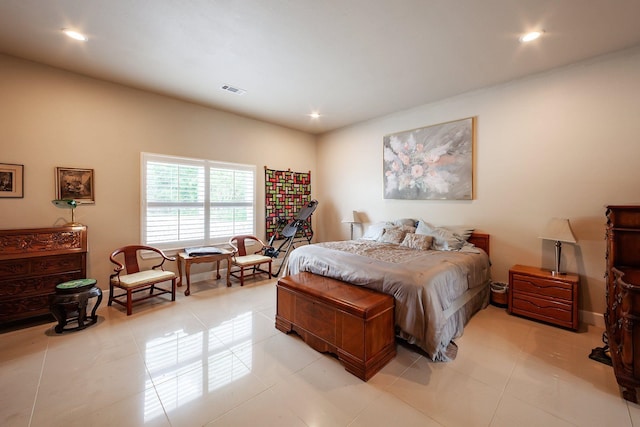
565,143
50,118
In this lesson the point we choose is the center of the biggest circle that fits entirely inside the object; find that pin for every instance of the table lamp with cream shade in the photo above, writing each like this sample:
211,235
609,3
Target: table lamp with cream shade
558,230
352,219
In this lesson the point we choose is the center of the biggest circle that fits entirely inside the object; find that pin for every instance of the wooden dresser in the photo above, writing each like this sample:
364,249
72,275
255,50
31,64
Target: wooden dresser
32,262
622,316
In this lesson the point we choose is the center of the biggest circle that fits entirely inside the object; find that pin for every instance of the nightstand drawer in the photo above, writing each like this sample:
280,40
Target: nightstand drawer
542,287
543,309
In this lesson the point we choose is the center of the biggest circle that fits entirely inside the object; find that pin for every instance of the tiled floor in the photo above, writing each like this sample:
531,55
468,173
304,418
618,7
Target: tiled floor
215,358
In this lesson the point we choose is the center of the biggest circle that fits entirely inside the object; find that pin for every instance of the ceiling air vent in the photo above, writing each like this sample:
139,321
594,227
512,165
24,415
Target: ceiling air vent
232,89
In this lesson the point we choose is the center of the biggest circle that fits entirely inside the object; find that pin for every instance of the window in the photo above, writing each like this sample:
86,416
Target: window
193,202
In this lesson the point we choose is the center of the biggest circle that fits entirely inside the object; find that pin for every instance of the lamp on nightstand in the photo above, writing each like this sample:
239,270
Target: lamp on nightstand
352,219
559,230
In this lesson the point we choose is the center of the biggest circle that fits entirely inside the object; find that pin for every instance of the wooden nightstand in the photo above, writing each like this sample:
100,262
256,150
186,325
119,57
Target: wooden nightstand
537,294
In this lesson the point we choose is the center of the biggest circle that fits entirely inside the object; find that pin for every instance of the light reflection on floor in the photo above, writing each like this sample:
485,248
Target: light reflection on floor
179,363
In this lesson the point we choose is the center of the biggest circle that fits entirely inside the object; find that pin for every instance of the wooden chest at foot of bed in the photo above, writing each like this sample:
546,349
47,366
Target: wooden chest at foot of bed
331,316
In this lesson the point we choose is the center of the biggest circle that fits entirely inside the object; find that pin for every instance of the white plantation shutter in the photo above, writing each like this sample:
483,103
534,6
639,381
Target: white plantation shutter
191,202
232,202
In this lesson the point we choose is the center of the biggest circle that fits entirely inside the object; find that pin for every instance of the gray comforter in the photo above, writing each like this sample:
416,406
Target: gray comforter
429,286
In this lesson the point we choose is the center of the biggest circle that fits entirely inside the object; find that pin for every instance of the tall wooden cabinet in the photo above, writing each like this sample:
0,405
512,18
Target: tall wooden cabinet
622,316
32,262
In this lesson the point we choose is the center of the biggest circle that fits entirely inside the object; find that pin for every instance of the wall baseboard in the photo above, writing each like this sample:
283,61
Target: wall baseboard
592,318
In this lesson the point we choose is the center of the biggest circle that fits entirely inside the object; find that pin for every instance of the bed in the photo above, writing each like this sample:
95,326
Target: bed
438,283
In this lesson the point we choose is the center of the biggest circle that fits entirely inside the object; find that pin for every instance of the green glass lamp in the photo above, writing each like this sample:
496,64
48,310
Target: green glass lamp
68,204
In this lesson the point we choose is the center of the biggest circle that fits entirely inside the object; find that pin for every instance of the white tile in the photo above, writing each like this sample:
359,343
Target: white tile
634,413
143,409
491,365
276,357
264,410
19,380
203,394
216,358
387,410
323,393
513,412
570,386
446,395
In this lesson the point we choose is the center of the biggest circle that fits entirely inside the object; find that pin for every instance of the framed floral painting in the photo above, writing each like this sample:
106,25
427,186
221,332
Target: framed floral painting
430,163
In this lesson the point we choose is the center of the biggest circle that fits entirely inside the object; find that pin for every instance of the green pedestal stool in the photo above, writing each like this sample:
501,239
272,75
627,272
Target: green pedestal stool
69,304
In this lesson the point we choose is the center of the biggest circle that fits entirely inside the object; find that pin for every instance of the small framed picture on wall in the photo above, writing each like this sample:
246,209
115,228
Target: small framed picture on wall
11,181
76,184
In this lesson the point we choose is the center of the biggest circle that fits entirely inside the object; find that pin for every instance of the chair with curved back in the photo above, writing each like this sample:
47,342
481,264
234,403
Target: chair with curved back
129,277
244,260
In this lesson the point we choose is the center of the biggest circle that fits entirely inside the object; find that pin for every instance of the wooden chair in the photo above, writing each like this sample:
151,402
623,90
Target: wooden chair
130,278
244,260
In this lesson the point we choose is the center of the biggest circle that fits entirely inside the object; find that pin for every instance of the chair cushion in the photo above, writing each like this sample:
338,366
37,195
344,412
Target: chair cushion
143,277
251,260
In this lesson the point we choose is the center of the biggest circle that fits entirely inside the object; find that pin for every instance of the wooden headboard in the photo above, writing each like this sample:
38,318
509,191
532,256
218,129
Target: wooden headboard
481,240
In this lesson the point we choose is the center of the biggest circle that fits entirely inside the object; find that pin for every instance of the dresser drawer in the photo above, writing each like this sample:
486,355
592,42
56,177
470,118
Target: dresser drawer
542,308
41,265
542,287
24,307
36,285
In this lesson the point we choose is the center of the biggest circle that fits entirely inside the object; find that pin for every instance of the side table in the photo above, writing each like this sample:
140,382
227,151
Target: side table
540,295
188,260
70,301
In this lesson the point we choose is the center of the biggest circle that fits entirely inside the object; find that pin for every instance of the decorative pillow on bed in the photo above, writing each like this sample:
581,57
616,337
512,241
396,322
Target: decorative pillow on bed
393,235
417,241
443,239
461,230
410,222
374,231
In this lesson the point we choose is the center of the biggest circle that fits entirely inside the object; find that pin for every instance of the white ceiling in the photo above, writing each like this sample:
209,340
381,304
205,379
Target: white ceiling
351,60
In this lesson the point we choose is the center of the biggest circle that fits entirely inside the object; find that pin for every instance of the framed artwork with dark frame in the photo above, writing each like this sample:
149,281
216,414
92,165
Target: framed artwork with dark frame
74,183
11,181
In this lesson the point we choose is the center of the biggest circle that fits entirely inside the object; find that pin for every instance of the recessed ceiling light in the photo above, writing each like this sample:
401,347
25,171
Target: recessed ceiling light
314,115
75,35
531,36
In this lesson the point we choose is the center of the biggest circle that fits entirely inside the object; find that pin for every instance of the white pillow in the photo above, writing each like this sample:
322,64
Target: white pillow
443,239
461,230
375,230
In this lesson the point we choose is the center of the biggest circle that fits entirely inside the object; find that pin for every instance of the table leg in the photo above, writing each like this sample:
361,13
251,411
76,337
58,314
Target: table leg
179,271
228,271
217,269
187,292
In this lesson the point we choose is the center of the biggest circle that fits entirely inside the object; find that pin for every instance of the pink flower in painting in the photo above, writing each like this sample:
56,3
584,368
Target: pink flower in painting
417,171
404,158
